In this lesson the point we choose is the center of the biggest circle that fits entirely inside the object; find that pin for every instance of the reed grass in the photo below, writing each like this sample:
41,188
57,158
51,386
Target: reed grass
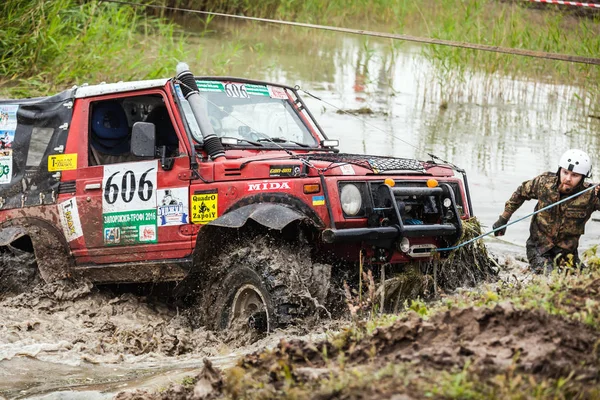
45,45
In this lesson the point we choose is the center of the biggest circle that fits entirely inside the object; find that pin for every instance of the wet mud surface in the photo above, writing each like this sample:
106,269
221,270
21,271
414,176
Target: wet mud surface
487,340
76,341
74,336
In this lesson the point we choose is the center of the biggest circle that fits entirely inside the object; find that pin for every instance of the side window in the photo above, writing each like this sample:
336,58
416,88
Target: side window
111,122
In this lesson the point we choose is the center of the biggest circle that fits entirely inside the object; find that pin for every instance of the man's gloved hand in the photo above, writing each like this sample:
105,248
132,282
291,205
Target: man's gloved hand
501,221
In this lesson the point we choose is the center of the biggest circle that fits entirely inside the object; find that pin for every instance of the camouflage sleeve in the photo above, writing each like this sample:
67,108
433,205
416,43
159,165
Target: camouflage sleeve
527,191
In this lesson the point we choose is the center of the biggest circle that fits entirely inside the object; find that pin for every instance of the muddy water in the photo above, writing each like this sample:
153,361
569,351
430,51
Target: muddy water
502,131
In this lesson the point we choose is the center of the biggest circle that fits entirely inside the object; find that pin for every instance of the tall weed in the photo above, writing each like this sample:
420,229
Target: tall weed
45,45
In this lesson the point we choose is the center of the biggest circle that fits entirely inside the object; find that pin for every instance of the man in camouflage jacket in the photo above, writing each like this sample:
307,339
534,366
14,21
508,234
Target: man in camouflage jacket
554,233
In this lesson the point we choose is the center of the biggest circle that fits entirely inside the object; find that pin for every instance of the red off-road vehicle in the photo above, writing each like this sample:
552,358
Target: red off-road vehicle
229,183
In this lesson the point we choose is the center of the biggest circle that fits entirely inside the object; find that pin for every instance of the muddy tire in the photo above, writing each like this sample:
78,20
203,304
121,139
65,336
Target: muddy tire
18,271
265,283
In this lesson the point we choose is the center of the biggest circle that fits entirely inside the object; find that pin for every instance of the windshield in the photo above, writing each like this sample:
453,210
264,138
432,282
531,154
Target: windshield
256,113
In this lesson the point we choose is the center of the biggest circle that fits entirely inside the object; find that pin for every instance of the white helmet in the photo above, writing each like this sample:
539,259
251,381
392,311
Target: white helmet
576,161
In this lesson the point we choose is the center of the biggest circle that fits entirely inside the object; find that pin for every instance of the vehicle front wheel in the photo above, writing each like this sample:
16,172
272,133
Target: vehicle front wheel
263,282
245,300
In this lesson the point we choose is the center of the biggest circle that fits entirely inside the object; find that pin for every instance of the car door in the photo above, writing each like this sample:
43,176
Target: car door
134,209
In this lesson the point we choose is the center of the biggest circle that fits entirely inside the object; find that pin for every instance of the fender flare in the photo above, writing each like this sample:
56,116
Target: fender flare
274,216
50,247
270,215
10,234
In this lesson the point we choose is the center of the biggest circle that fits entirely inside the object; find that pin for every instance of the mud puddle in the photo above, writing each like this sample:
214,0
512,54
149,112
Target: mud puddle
71,341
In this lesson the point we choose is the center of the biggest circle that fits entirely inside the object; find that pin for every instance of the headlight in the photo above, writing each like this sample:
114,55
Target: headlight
351,199
403,245
447,202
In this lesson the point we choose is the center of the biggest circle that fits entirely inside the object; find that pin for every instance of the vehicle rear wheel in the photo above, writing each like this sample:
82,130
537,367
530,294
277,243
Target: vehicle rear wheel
262,282
18,271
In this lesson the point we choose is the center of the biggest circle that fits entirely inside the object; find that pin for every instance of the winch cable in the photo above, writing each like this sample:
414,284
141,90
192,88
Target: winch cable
396,36
458,246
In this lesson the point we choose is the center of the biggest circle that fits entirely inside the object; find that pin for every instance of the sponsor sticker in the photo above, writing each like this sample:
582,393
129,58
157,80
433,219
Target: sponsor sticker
318,200
210,86
130,227
205,207
284,170
257,90
8,117
62,162
347,169
69,219
173,206
277,92
6,166
268,186
129,205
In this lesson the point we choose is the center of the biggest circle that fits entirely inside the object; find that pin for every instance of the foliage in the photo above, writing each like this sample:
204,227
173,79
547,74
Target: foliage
49,44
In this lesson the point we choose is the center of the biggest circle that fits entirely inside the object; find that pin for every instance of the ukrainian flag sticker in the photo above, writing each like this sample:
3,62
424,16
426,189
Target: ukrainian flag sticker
318,200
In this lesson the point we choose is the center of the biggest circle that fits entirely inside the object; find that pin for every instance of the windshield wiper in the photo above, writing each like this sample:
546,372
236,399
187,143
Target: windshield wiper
282,140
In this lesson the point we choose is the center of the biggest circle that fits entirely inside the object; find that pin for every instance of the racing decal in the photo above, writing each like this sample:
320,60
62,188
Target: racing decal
284,170
129,203
268,186
7,137
318,200
231,89
6,166
8,117
173,206
8,125
236,90
257,90
204,206
277,93
347,169
69,219
210,86
62,162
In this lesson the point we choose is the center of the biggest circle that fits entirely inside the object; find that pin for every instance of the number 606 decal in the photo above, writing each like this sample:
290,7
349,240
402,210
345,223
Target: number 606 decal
128,187
236,90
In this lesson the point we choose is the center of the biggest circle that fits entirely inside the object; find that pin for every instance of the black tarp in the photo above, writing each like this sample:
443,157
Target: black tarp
41,130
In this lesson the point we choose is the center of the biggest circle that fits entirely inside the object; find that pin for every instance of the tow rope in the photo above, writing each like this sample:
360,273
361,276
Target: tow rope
408,38
458,246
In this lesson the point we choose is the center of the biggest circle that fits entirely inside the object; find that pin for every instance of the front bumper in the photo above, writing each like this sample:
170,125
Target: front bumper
393,224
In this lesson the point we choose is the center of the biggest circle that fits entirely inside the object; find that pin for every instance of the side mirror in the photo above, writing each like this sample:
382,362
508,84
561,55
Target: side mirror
143,139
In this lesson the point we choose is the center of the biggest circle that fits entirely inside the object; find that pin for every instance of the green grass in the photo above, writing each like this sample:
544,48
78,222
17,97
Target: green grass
45,45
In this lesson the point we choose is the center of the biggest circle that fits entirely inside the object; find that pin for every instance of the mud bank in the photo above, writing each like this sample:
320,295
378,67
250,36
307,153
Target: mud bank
468,352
